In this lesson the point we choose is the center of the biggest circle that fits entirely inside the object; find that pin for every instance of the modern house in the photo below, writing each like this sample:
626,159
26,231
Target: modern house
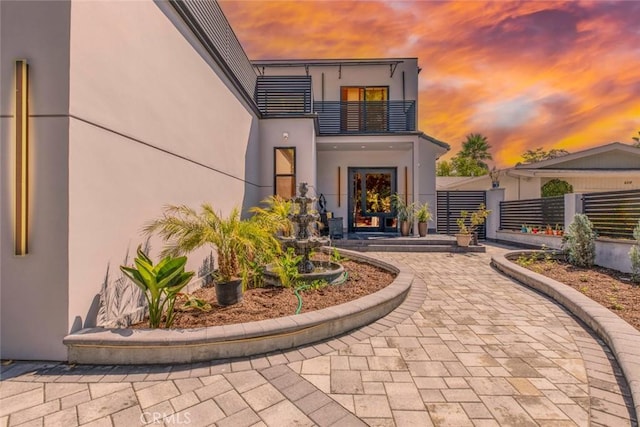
609,167
110,110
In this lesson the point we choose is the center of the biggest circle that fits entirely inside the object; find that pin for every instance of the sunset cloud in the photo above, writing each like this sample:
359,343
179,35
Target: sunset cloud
525,74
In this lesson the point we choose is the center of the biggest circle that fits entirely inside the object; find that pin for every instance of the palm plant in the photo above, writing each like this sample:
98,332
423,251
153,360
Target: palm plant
237,242
476,148
274,214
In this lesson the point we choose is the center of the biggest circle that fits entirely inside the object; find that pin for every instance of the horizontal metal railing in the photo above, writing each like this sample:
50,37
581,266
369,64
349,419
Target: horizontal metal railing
614,213
449,206
537,213
344,117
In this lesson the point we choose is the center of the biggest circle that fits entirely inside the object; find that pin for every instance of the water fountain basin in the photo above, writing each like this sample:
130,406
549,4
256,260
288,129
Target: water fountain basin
322,270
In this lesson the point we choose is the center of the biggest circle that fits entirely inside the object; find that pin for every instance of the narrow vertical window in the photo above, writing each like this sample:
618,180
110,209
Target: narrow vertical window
285,172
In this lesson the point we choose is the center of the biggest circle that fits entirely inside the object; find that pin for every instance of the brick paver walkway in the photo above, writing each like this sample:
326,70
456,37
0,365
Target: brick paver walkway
479,350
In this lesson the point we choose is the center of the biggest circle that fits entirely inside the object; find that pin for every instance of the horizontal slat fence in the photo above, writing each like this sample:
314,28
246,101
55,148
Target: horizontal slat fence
532,212
281,95
614,213
451,203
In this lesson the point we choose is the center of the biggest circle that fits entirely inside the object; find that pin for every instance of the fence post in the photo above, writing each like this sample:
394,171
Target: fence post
572,206
494,197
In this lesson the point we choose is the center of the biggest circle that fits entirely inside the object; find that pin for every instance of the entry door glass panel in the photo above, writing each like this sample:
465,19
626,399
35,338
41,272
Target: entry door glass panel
370,200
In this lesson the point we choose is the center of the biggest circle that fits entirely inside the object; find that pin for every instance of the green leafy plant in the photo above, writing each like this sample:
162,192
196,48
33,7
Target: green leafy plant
160,283
404,211
286,267
193,301
580,241
556,187
476,219
423,214
634,255
237,242
274,215
335,256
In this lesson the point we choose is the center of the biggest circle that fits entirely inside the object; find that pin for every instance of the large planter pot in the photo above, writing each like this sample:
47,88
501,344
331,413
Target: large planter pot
463,239
422,229
405,227
229,293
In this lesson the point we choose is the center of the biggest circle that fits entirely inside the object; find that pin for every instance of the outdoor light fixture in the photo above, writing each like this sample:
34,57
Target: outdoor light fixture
22,157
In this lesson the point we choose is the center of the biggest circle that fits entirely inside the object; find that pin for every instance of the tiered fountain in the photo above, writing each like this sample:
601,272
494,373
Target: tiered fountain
304,241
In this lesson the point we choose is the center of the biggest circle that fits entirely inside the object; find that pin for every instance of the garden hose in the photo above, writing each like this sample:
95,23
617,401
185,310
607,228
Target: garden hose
296,291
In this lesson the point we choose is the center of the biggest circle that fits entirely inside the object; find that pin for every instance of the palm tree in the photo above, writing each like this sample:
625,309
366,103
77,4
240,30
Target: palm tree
476,148
637,140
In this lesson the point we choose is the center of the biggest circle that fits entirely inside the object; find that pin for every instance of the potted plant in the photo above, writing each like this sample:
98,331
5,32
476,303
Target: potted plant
404,212
423,215
237,243
467,233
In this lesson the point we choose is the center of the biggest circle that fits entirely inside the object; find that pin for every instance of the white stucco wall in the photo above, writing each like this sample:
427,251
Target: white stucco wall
153,122
425,183
301,135
33,288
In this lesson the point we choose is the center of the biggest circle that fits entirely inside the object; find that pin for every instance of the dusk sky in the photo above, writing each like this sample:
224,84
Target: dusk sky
525,74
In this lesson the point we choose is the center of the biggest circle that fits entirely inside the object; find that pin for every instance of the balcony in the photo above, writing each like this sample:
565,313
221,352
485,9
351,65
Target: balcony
357,117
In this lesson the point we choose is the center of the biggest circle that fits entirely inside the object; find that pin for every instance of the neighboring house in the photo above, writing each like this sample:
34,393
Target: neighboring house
609,167
134,105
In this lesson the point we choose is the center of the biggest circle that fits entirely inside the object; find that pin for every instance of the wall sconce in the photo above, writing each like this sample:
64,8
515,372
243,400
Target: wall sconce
285,136
22,158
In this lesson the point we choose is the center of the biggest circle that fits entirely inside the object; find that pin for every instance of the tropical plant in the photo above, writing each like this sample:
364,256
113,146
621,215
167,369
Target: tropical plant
160,283
286,267
637,140
423,214
237,242
556,187
634,255
466,166
476,148
404,211
192,301
274,214
580,241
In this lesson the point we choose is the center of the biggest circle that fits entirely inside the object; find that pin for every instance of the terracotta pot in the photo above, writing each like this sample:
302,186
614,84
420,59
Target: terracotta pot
229,293
422,229
463,239
405,227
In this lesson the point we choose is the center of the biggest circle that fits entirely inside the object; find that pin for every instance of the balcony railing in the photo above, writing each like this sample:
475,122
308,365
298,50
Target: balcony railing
351,117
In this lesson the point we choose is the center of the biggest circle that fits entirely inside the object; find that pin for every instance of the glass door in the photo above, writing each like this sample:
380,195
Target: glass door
370,193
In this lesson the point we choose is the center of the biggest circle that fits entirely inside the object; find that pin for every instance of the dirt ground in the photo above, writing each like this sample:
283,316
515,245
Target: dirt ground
271,302
610,288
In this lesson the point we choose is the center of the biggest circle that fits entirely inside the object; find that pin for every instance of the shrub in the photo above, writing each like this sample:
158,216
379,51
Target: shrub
634,255
556,187
580,241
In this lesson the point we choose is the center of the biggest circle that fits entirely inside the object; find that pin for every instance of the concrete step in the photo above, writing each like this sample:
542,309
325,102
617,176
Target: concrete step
412,248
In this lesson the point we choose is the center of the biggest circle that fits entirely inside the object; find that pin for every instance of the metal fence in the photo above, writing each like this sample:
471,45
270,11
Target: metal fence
614,213
539,213
451,203
282,95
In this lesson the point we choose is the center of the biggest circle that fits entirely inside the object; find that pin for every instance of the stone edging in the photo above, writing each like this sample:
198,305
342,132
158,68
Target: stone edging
159,346
622,338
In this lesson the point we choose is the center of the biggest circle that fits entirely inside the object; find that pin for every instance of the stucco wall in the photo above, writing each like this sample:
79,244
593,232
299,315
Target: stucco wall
301,135
33,288
329,161
152,123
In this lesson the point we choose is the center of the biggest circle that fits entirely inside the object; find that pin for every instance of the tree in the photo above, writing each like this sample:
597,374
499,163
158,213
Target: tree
444,168
539,154
637,140
466,166
556,187
476,148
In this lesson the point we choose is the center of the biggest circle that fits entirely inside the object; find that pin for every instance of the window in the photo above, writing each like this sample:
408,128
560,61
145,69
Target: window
285,172
364,109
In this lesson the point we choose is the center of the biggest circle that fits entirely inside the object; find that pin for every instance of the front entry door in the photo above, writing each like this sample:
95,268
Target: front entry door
370,191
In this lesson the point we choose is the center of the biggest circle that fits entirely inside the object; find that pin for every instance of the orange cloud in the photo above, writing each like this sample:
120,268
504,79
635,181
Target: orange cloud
525,74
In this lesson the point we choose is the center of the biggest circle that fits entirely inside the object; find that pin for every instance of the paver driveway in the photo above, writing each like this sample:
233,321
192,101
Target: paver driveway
468,347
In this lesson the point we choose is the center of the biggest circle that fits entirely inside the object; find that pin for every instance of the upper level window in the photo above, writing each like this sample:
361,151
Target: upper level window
364,108
285,172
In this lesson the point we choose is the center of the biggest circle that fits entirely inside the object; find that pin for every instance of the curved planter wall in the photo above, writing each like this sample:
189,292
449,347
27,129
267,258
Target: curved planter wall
154,346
